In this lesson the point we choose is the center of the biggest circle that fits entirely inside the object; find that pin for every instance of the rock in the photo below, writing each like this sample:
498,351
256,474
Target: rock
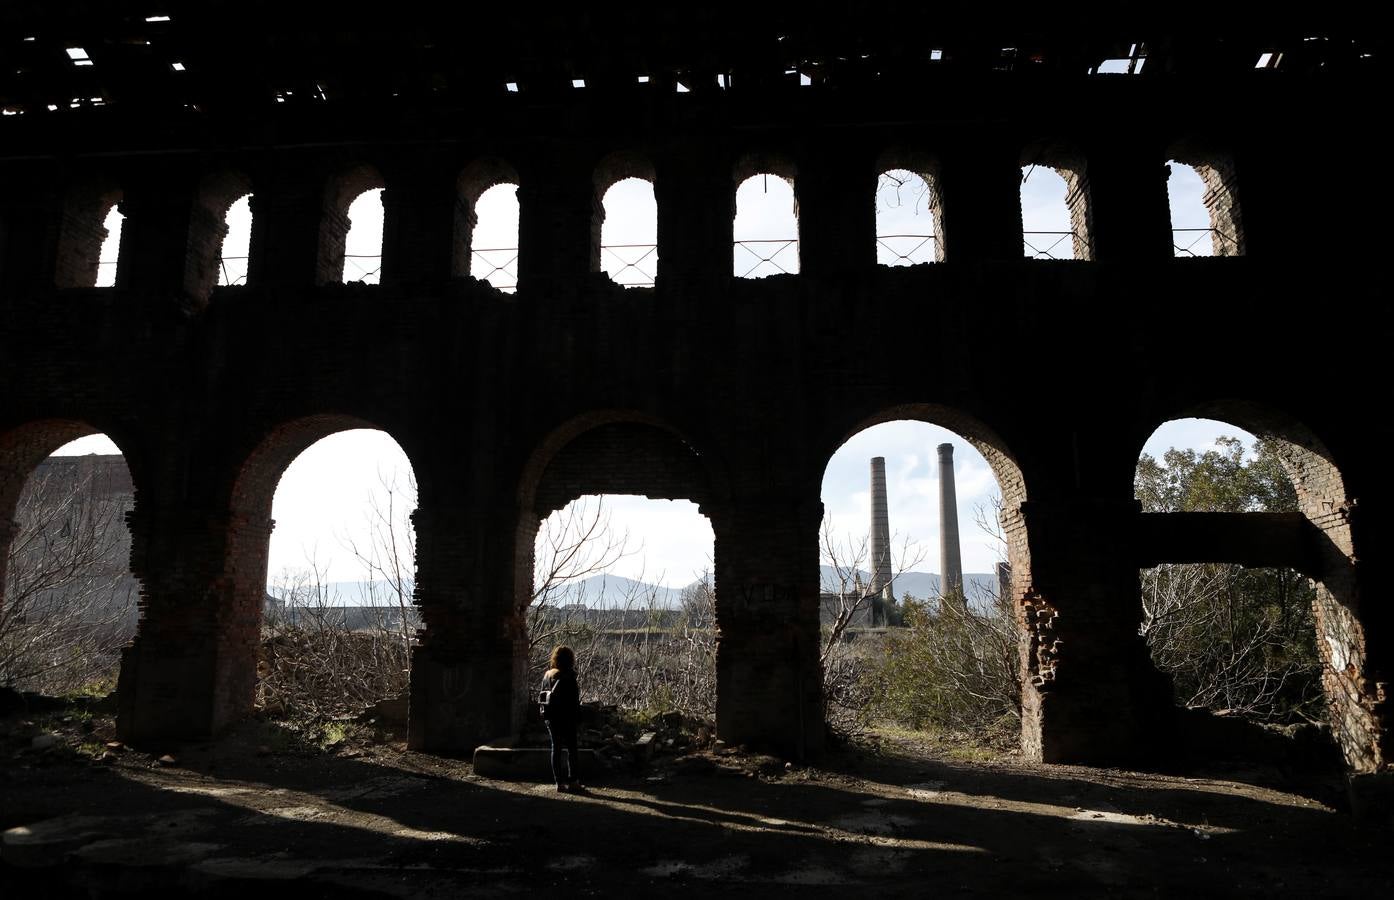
115,745
672,719
44,742
166,760
643,748
704,736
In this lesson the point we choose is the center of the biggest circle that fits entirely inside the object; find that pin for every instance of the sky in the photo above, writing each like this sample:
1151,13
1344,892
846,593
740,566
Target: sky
326,496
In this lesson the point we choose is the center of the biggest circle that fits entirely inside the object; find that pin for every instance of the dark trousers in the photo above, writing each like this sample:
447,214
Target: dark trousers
563,735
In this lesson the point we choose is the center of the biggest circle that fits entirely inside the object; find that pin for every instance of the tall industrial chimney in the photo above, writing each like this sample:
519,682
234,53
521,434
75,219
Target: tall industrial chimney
881,588
950,558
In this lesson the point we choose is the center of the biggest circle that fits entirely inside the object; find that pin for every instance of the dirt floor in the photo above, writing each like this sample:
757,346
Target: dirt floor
263,810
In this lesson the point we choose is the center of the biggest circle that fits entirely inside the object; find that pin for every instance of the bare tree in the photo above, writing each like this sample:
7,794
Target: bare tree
847,682
573,544
70,600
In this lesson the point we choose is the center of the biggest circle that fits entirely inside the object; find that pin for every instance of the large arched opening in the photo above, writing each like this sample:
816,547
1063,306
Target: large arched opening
71,601
1250,598
615,555
322,606
921,546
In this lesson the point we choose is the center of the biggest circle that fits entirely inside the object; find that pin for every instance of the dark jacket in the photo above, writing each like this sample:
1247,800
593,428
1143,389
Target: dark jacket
565,707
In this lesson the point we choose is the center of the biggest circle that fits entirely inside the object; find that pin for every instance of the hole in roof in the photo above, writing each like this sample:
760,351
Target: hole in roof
936,55
643,79
578,82
512,87
177,66
682,88
157,18
79,56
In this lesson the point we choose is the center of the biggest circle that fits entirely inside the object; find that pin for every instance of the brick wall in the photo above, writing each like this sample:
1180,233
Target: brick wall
510,404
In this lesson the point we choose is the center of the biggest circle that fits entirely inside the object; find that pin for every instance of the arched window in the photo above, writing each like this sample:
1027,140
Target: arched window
220,230
236,250
494,237
350,247
908,228
1204,217
110,252
89,242
629,234
766,228
1054,213
363,242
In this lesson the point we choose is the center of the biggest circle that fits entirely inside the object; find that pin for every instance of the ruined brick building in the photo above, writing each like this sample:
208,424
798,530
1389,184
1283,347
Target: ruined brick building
727,392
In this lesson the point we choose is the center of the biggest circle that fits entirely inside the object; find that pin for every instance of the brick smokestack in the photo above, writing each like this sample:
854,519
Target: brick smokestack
950,557
881,588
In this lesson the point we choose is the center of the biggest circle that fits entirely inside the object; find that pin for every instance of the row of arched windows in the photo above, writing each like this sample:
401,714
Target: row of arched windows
909,226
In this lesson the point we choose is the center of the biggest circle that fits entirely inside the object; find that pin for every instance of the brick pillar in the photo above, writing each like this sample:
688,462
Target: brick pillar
158,211
1362,720
285,229
28,244
769,681
981,194
192,668
418,226
469,668
1092,696
8,529
555,224
837,213
1129,215
696,214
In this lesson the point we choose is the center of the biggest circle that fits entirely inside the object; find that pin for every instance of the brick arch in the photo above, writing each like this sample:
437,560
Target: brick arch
617,452
245,540
1034,616
612,169
1215,166
340,191
22,448
926,165
476,178
609,452
1350,686
82,231
1072,165
208,229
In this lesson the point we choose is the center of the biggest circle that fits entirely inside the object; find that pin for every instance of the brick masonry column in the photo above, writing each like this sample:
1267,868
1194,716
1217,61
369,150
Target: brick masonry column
192,668
418,225
285,228
30,219
980,188
8,530
158,210
769,680
1129,215
1092,696
469,667
836,191
696,213
557,205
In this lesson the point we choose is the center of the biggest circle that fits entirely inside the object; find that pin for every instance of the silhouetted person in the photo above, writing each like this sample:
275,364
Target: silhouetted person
561,710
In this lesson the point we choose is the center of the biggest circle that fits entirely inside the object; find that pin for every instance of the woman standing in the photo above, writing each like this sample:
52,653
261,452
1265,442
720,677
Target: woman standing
561,710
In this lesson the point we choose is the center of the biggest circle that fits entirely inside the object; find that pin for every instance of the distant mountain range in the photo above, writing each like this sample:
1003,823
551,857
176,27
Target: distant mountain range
616,590
609,591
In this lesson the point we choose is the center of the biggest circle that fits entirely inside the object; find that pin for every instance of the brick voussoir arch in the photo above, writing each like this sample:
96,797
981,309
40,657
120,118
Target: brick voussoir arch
1351,687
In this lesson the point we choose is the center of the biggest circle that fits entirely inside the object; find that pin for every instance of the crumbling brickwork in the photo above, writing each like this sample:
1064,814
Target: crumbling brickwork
728,392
